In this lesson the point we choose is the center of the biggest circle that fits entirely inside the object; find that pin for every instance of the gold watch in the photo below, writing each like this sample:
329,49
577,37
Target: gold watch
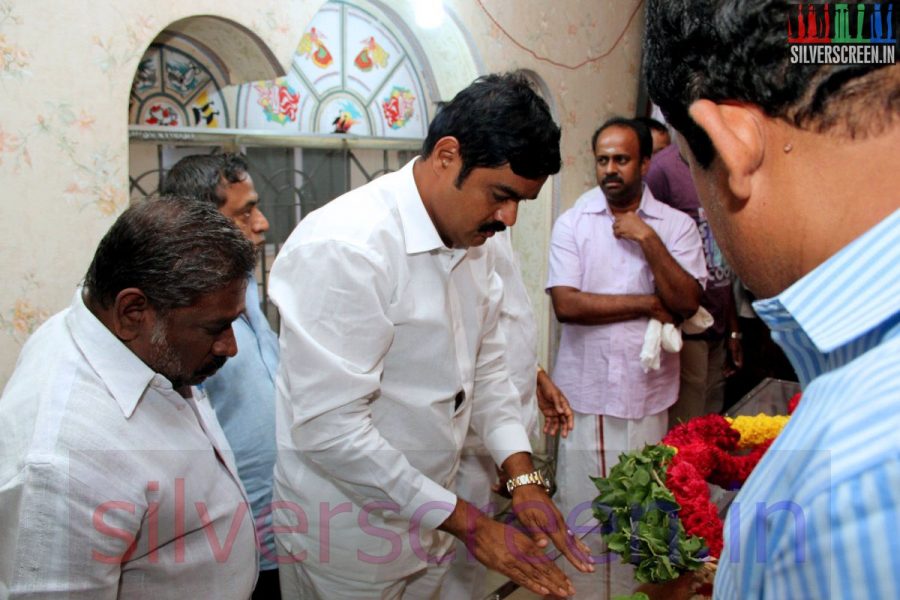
532,478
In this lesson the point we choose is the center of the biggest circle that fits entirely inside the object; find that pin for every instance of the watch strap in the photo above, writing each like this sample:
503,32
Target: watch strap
531,478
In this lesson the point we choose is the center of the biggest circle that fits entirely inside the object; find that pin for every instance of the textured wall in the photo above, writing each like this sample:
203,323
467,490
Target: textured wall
65,73
584,86
66,70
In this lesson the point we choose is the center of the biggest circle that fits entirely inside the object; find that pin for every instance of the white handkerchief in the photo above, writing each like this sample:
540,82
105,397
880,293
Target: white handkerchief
650,349
667,337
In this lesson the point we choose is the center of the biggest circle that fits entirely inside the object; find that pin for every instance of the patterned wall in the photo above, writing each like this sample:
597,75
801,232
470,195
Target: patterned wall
65,82
66,85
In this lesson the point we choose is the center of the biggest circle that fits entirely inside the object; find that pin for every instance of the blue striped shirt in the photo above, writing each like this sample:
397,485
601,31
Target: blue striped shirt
819,518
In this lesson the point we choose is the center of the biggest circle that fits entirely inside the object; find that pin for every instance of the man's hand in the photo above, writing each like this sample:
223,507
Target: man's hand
542,520
554,406
734,359
506,550
658,311
629,226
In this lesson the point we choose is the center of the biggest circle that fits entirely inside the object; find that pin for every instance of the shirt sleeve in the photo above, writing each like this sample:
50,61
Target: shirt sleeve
59,540
839,544
497,409
658,183
335,333
686,248
565,262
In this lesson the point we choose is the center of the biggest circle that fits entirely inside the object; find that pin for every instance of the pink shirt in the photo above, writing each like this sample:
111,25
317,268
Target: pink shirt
598,366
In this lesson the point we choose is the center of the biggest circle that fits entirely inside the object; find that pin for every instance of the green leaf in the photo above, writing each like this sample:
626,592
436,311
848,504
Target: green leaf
639,517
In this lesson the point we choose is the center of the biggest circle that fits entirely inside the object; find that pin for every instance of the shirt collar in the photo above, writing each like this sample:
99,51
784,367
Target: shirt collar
124,374
848,295
649,206
419,232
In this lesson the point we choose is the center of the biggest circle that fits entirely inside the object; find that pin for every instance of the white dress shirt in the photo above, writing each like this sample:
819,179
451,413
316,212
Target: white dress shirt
387,337
112,485
519,327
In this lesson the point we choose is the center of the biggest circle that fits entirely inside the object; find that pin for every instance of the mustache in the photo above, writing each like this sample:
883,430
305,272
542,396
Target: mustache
612,178
215,365
496,226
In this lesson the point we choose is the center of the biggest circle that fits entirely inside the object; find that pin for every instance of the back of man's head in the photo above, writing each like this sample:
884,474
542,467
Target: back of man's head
204,176
499,120
737,50
174,250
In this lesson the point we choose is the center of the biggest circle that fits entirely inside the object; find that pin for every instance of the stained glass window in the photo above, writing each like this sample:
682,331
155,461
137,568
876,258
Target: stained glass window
350,74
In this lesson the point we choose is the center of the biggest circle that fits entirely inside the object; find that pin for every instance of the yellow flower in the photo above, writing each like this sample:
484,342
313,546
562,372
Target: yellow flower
758,429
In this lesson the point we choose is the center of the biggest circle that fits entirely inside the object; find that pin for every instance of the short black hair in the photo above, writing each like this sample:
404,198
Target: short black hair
173,249
202,176
645,140
738,50
499,120
652,124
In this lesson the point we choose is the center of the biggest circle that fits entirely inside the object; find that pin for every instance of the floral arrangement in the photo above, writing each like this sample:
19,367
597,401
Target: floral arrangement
654,508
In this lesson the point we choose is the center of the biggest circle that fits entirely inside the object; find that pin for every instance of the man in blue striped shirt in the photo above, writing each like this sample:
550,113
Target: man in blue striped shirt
796,166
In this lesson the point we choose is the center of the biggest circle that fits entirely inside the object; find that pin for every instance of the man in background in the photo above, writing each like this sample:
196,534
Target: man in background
796,167
242,392
115,478
706,358
391,350
658,132
618,258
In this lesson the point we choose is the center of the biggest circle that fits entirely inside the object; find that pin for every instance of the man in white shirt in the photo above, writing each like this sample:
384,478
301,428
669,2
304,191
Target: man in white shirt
390,351
477,474
115,478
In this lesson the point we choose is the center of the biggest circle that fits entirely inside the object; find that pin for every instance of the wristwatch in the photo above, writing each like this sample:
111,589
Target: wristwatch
532,478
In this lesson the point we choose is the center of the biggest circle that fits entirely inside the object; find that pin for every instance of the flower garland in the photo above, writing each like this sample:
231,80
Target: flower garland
638,519
704,447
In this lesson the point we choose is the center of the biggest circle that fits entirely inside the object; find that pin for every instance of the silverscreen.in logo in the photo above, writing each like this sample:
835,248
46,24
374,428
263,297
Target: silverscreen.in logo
842,33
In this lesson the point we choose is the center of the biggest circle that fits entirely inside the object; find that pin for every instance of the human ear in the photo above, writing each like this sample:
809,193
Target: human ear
445,151
131,314
738,135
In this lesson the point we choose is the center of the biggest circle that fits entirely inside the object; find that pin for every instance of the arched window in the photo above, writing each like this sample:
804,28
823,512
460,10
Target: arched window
355,103
178,87
351,73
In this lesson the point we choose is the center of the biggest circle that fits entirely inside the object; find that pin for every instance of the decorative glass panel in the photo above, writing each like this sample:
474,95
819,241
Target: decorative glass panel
174,88
350,74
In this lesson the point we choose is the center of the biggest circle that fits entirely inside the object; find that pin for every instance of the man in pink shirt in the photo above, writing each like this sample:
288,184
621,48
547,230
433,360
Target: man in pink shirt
618,258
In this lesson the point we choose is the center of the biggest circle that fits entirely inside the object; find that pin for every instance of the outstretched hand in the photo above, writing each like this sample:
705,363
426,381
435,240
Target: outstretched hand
504,549
542,520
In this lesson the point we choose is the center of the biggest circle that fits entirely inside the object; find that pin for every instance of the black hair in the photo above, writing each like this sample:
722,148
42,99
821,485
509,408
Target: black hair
738,50
499,120
645,140
171,248
202,176
652,124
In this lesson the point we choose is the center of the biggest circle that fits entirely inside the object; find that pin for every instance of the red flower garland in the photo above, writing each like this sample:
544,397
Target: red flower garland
704,447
